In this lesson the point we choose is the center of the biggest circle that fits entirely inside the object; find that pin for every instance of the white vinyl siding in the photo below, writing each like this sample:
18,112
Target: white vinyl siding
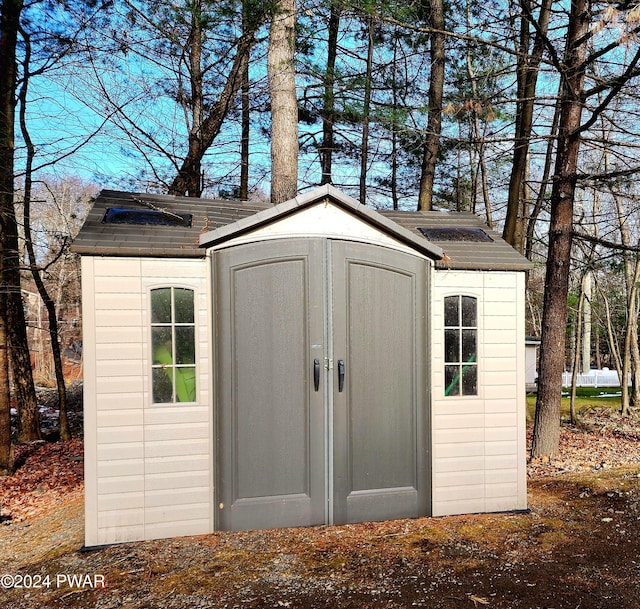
479,452
147,469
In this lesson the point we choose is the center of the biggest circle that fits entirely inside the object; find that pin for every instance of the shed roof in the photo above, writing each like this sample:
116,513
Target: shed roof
319,195
464,252
214,222
98,238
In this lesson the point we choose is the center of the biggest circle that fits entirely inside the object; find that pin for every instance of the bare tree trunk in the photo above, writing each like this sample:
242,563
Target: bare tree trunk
22,374
248,30
613,348
244,138
189,174
586,321
65,432
328,104
434,121
544,182
5,397
631,354
194,188
485,189
546,433
284,103
478,141
635,352
471,161
576,356
394,129
14,322
461,198
9,23
630,336
528,64
366,112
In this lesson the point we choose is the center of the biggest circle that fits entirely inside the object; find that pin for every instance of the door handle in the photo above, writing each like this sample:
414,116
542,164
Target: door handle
316,374
341,371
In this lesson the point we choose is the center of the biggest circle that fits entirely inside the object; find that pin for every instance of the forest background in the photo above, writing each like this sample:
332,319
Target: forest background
525,112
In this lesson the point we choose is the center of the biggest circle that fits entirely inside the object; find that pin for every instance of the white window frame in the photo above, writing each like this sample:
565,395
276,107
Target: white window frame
172,325
460,328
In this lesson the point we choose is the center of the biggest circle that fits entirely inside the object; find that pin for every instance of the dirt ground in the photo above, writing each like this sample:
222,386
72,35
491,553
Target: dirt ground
577,547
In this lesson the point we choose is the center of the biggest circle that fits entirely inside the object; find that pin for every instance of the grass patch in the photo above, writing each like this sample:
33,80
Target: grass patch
607,397
237,565
606,393
550,540
425,538
626,477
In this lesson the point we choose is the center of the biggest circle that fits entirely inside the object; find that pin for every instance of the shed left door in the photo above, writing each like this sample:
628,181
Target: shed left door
271,422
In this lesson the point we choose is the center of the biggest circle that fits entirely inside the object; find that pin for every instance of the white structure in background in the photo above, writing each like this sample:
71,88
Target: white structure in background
594,378
531,362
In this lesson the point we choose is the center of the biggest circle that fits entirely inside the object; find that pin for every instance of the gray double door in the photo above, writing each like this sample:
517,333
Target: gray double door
321,398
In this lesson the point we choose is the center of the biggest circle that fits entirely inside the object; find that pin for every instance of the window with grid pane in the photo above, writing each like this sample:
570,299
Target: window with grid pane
173,344
460,345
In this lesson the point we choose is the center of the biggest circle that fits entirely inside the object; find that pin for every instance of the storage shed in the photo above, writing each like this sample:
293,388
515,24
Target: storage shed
308,363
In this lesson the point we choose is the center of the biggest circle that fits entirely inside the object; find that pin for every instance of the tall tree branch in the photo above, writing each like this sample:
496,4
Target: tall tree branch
213,122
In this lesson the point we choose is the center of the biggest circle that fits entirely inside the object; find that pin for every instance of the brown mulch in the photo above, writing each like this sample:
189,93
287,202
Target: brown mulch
576,547
46,474
602,439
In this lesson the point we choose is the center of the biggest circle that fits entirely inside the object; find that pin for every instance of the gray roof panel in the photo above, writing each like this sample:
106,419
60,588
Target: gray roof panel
496,255
217,221
99,239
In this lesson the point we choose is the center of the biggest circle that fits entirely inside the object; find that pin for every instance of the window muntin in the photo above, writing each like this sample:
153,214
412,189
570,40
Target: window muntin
460,345
173,344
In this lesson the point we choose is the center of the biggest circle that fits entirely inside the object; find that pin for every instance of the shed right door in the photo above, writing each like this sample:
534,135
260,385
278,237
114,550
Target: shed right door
380,454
